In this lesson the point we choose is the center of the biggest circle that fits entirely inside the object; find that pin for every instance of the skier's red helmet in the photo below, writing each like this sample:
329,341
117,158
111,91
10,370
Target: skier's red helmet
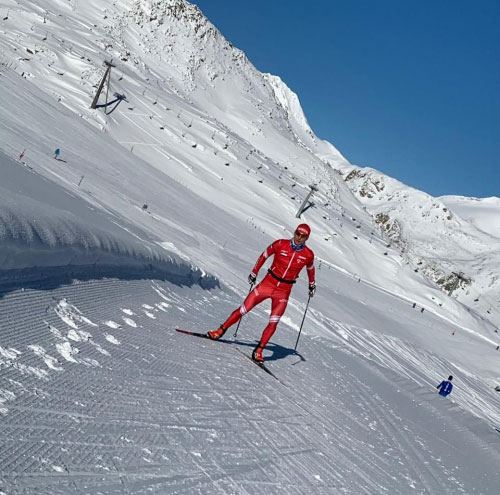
303,229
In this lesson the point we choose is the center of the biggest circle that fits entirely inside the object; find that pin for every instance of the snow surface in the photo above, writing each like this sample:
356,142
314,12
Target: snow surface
438,236
483,213
98,394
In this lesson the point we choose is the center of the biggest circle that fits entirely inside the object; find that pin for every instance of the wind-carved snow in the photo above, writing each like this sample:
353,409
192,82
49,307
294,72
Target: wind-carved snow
112,324
10,354
67,351
70,352
9,358
100,349
161,293
112,339
170,246
71,315
79,336
51,236
50,361
162,306
129,322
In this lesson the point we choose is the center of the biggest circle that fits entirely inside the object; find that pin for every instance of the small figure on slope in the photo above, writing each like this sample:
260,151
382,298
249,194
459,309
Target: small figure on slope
290,256
445,387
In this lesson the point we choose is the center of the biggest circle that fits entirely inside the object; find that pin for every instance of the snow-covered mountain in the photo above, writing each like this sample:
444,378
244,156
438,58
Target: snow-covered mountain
171,60
452,240
158,206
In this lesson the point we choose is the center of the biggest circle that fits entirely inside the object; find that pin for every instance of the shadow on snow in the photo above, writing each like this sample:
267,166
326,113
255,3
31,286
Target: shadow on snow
49,278
278,351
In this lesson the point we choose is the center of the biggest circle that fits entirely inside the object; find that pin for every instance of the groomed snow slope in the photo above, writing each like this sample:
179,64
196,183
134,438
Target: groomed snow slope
101,396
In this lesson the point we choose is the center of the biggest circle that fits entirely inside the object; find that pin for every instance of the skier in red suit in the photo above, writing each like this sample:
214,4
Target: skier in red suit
290,256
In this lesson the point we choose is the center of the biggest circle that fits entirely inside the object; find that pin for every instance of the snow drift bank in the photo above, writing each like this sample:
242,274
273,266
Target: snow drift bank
42,226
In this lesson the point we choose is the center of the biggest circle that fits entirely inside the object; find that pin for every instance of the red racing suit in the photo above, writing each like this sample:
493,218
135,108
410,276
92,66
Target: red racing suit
277,284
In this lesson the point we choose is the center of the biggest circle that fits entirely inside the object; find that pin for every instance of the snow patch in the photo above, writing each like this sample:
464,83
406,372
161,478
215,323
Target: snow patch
130,322
162,306
112,324
67,351
71,315
170,246
50,361
112,339
9,353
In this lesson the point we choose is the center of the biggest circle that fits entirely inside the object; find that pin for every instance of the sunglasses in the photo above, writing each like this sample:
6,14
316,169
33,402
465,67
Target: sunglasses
300,234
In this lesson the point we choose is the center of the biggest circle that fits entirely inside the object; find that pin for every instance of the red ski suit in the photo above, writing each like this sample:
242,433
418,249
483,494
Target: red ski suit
277,284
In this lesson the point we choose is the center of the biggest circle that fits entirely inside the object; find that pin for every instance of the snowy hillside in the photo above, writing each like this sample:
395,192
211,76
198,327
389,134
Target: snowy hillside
440,237
152,217
482,213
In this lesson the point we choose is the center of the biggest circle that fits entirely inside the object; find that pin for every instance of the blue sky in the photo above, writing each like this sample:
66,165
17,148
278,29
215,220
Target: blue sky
411,88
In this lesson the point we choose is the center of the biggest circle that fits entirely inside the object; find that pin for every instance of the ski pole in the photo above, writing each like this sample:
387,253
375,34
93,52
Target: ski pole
305,312
236,331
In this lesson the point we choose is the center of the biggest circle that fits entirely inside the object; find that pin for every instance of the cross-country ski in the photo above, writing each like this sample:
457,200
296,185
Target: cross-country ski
260,364
194,334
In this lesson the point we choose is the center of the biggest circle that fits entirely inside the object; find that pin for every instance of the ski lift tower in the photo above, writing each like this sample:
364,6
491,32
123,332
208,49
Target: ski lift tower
107,75
303,206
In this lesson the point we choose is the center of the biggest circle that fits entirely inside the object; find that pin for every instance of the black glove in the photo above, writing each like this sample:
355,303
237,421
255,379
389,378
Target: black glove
312,289
252,279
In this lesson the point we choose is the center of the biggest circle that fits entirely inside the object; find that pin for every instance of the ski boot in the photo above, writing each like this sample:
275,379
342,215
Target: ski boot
257,354
216,334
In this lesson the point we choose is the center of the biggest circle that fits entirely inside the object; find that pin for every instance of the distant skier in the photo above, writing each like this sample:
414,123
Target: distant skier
57,152
290,256
445,387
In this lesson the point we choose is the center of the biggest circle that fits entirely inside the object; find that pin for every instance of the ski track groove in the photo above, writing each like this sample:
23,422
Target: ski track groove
405,448
133,355
168,413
